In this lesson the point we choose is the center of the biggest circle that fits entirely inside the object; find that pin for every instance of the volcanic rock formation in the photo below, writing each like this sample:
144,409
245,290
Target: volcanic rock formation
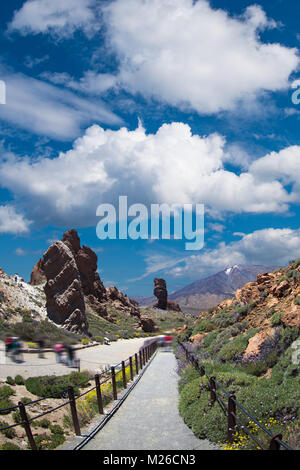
65,298
73,283
160,291
38,276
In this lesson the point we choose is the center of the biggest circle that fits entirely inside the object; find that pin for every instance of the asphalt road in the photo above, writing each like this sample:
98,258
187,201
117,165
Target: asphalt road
93,359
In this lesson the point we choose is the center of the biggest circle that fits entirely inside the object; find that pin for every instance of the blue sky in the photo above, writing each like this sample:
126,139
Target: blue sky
166,101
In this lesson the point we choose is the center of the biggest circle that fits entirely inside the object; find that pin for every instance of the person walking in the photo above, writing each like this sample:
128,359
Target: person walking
8,343
70,353
58,348
41,344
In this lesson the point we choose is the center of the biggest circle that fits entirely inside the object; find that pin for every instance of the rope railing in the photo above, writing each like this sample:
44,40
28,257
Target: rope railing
230,409
135,363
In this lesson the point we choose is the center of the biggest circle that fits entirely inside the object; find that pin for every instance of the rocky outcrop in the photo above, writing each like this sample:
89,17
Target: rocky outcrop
161,293
120,301
64,295
86,260
38,276
73,283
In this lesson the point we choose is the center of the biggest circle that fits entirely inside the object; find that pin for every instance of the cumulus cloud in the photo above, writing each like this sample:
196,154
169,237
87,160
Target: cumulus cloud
57,17
42,108
283,165
172,166
12,221
190,55
262,247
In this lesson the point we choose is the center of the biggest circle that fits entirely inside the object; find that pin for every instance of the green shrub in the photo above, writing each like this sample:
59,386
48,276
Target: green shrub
232,350
56,429
19,380
276,318
17,416
10,381
25,400
42,423
204,326
52,384
284,278
9,433
5,393
10,446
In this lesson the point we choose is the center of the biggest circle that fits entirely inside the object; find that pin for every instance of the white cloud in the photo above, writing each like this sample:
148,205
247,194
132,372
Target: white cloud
91,83
12,221
283,165
171,166
158,262
190,55
41,108
262,247
57,17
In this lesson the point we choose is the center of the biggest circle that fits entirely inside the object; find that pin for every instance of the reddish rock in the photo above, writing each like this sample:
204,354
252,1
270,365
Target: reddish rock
72,240
38,276
198,338
282,289
64,294
181,330
87,261
121,302
73,282
256,343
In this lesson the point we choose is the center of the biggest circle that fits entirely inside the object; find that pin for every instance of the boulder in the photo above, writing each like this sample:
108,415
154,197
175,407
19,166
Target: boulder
198,338
257,342
283,288
148,325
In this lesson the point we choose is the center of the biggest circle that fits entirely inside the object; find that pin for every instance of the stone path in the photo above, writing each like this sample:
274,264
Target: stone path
92,359
149,417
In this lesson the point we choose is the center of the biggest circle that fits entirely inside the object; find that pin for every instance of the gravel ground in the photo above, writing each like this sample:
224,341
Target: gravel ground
92,359
149,418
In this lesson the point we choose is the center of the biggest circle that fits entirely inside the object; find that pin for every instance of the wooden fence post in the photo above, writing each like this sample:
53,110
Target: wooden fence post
131,368
99,394
212,386
114,385
274,444
74,410
26,426
136,363
231,418
124,375
141,361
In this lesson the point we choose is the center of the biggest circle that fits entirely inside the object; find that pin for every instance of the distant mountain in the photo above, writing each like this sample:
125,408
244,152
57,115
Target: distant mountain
212,290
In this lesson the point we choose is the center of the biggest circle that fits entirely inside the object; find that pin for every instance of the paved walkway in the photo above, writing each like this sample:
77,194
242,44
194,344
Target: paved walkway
149,417
93,359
